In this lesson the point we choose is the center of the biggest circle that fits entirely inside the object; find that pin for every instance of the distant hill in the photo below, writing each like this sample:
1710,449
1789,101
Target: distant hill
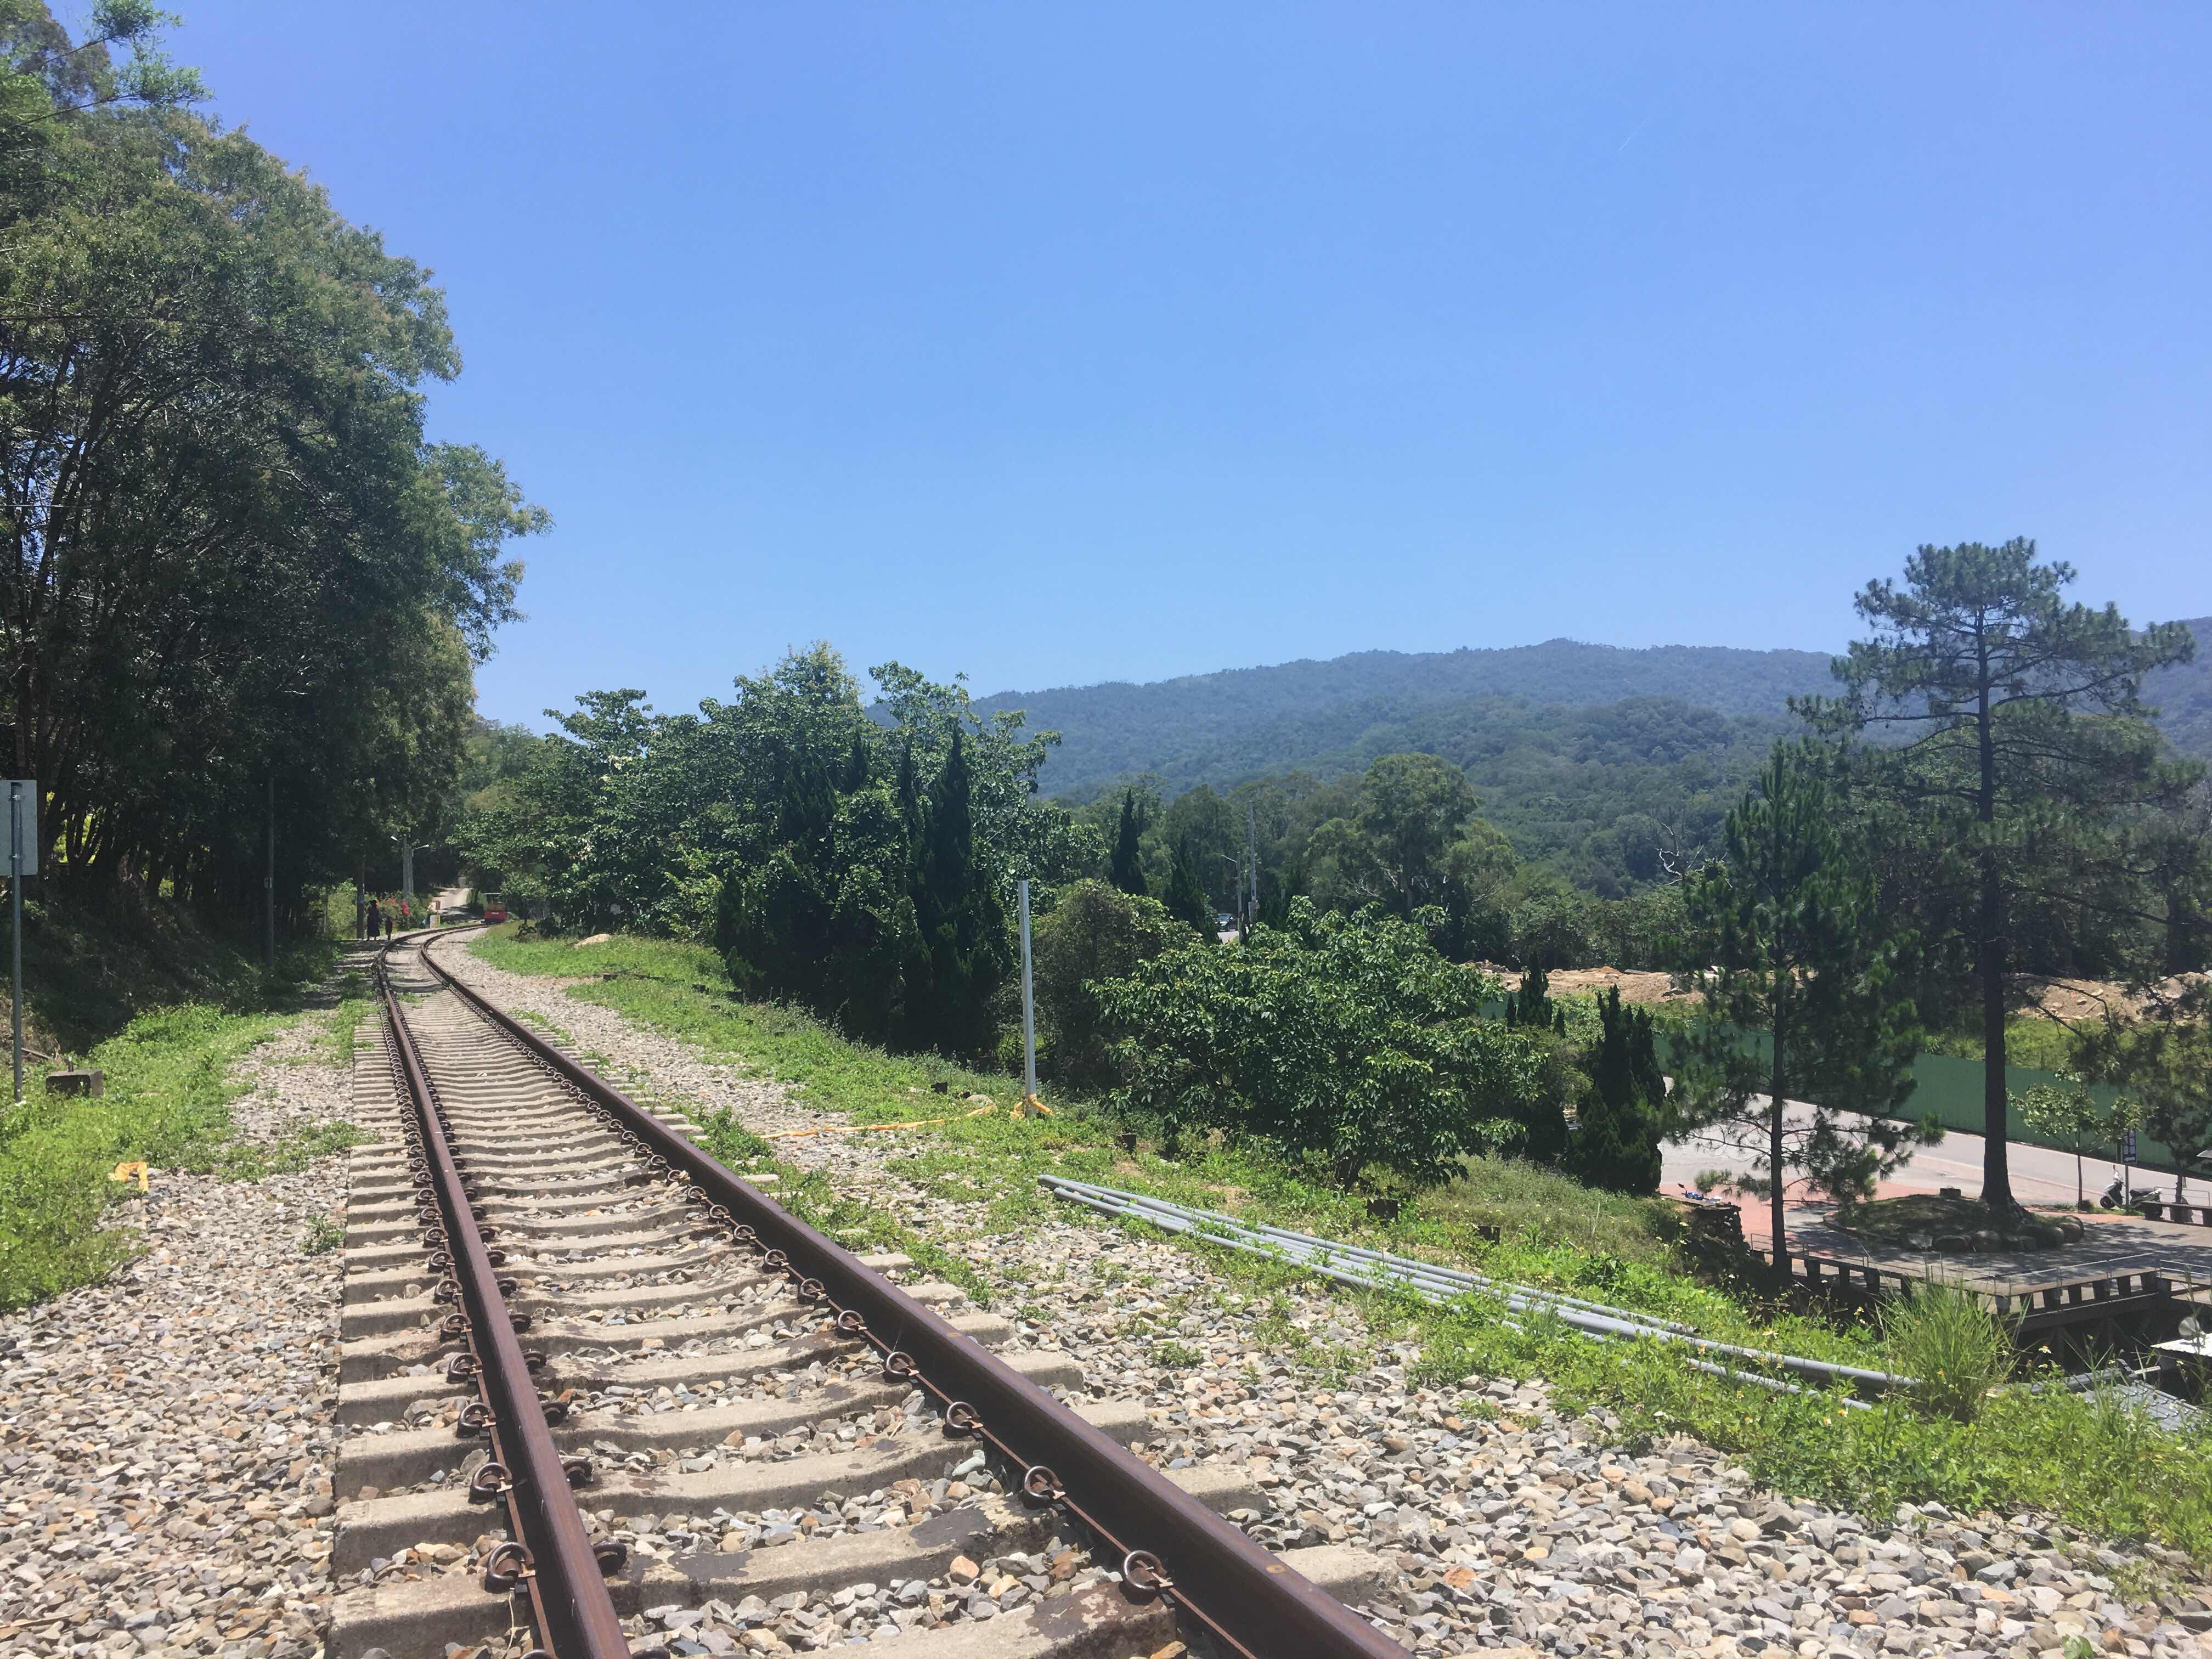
1334,717
2182,696
1328,716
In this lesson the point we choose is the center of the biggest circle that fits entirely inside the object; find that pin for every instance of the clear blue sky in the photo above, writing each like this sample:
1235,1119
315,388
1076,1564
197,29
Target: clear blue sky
1058,345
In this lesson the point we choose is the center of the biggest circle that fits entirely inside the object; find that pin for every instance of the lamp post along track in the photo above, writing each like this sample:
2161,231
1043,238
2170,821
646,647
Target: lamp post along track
1157,1549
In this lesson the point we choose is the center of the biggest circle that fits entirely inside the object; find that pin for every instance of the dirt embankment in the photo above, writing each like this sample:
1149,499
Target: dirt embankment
1634,985
2078,1001
2071,1001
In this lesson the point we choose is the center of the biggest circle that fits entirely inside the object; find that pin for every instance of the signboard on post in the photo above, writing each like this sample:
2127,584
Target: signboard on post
23,826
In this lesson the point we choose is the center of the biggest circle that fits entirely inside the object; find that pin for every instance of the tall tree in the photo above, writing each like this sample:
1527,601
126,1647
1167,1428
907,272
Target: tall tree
2026,753
1531,1006
1619,1121
1791,939
228,554
1127,870
965,954
1392,850
1186,899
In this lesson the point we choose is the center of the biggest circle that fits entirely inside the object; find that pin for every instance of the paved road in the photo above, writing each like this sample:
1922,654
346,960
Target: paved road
2039,1176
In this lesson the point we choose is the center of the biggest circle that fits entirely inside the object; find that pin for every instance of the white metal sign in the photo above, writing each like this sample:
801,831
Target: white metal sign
23,824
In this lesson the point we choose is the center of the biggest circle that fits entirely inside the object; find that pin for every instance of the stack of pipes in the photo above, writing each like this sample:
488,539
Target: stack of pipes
1366,1269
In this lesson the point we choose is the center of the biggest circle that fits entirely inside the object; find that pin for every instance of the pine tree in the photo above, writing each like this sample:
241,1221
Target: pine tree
1185,899
963,955
1127,872
1799,950
1532,1006
2029,751
1618,1123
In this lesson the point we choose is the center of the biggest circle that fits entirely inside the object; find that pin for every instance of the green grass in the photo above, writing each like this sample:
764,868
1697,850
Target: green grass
2031,1040
657,983
167,1100
2093,1462
1957,1348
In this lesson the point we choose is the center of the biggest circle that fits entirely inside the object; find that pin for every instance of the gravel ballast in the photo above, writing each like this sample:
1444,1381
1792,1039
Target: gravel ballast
166,1438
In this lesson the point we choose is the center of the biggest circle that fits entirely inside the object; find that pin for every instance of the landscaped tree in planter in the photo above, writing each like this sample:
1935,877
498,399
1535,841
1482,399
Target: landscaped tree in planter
2027,759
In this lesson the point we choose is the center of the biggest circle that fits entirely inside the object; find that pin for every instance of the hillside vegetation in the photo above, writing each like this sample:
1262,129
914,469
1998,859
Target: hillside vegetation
1328,717
1219,728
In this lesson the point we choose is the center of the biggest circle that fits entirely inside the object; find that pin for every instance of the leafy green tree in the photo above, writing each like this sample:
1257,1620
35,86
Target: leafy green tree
2026,757
1392,851
1093,933
1349,1038
1129,870
234,558
1552,928
1799,950
2068,1109
1618,1127
46,78
1411,842
2163,1061
1208,831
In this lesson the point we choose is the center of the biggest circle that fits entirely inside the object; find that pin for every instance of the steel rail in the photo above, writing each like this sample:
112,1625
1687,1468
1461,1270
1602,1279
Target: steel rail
1171,1545
551,1557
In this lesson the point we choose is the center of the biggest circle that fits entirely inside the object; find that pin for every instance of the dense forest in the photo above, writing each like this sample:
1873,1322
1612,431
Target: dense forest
1334,716
1240,723
1606,783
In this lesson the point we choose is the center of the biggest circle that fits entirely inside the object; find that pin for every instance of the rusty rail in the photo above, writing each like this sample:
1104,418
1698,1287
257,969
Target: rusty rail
550,1557
1170,1544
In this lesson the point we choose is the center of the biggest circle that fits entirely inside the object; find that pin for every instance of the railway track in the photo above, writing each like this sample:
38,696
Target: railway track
603,1397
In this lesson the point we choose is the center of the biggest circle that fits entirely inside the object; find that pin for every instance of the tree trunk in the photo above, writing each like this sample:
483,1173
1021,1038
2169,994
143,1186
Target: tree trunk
1996,1174
1774,1172
1990,954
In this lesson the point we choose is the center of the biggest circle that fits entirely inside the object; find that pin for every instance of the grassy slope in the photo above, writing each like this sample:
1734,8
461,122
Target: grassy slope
2092,1463
166,1089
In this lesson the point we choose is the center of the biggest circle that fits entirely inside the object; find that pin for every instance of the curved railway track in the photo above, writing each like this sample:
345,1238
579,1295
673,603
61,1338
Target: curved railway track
572,1339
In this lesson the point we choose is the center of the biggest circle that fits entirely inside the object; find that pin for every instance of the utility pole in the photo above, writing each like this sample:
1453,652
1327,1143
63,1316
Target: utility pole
1029,1005
1251,854
269,883
22,860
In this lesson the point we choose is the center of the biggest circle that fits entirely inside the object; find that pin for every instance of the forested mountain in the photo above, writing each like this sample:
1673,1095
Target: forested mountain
2182,696
1332,717
1317,716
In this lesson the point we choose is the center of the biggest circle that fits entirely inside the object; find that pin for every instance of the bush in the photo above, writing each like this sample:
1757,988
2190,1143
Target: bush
1095,931
1348,1037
